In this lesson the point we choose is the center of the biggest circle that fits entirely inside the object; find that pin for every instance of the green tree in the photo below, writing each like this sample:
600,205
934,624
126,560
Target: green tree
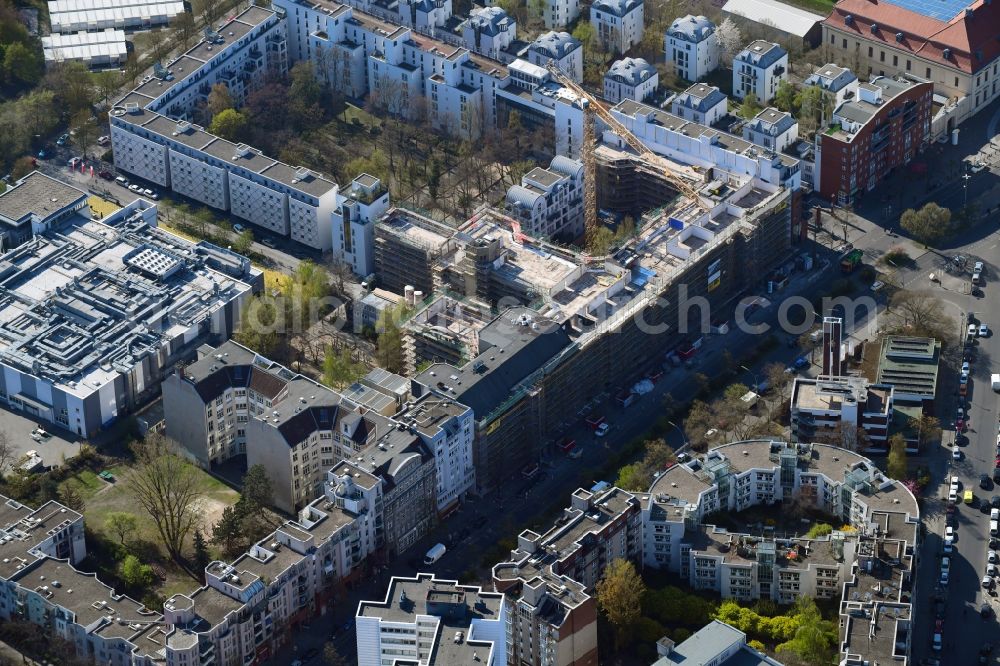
83,129
814,639
927,428
244,242
24,64
184,29
896,464
785,96
340,369
136,575
634,477
108,83
619,596
230,124
121,524
929,224
819,530
750,106
228,532
815,106
257,492
262,326
202,558
389,346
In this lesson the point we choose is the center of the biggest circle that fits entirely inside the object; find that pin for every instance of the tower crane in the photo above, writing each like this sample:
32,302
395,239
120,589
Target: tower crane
594,107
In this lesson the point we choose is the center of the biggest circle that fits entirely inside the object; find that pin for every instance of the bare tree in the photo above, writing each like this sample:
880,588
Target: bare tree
8,454
730,41
167,487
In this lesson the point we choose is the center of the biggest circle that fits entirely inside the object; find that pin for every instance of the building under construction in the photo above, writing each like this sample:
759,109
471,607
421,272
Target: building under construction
407,247
605,321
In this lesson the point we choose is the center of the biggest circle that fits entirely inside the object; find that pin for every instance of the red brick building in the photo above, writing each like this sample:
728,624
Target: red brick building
884,127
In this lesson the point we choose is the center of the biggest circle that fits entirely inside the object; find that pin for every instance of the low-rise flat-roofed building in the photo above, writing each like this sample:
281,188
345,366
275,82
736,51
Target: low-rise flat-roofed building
104,47
94,313
34,204
776,20
716,643
433,622
910,365
69,16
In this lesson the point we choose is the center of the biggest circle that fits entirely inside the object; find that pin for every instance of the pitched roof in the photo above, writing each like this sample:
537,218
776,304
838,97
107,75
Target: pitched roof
970,35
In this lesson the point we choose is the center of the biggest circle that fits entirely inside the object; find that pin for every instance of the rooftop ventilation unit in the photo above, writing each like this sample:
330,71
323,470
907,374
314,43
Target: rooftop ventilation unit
899,37
874,28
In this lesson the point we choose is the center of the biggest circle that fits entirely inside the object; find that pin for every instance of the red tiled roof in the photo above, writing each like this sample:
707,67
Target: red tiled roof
923,36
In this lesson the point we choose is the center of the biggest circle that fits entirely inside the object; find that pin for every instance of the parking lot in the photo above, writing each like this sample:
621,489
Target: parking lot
18,427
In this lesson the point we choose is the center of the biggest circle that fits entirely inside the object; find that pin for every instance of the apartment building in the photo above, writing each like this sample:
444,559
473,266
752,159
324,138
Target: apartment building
353,223
839,83
772,129
758,69
619,24
885,126
691,143
153,138
424,14
849,402
630,78
128,301
233,402
370,309
716,643
693,47
910,365
444,330
489,31
561,49
429,621
549,578
701,103
737,476
549,202
541,102
557,14
951,44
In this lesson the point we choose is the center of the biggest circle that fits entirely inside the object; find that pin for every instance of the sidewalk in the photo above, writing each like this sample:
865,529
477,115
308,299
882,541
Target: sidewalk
9,655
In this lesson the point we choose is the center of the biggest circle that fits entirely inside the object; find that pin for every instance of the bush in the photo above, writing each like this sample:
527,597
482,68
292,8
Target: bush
819,530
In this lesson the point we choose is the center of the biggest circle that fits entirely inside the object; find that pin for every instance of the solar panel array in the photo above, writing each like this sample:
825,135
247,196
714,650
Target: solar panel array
942,10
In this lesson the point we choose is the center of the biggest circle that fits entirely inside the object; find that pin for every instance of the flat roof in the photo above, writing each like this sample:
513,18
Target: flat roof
39,195
85,45
299,178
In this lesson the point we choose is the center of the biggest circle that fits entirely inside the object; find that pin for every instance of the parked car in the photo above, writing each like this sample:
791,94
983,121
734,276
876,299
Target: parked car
602,430
122,180
956,453
268,242
62,140
103,140
134,188
965,368
106,175
238,228
984,481
984,330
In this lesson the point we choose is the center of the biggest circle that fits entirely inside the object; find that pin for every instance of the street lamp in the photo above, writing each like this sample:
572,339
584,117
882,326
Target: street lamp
965,189
754,375
683,436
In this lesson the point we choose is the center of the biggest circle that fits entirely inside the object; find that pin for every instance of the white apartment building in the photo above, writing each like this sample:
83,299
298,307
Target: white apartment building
692,46
771,128
619,24
701,103
489,31
540,100
693,144
852,402
424,14
557,14
737,476
838,82
630,78
560,48
758,69
353,223
549,202
426,620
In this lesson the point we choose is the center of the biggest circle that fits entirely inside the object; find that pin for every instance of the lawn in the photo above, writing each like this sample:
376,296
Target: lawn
102,498
822,7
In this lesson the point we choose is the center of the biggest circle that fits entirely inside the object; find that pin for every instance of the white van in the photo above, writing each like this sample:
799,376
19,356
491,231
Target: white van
993,528
435,553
